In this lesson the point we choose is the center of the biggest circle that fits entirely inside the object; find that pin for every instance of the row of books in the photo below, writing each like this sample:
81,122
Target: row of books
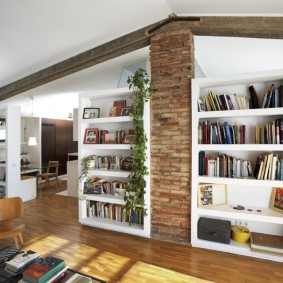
96,185
112,211
269,166
270,133
110,162
224,166
273,98
221,133
219,102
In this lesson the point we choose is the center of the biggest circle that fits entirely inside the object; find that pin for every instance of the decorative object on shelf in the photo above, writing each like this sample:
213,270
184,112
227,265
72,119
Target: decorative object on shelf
212,194
112,111
92,188
90,113
240,234
215,230
119,105
129,139
126,111
135,189
25,162
91,136
277,199
32,139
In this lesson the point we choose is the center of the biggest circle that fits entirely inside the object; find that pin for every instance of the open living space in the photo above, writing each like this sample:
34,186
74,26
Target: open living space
141,141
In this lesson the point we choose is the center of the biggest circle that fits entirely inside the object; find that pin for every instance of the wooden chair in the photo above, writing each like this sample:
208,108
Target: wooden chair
51,172
10,209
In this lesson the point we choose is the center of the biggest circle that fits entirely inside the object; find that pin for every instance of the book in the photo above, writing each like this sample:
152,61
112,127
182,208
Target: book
78,278
21,262
254,98
42,271
266,242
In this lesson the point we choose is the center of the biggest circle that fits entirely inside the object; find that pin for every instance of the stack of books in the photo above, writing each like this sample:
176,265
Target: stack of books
46,270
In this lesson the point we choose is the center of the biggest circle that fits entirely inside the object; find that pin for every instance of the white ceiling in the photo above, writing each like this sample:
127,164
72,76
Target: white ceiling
35,34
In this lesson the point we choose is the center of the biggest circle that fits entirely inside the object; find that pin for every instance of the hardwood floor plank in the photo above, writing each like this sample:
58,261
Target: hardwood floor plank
52,228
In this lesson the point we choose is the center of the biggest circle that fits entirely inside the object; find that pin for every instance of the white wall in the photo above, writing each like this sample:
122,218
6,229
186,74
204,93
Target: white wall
58,98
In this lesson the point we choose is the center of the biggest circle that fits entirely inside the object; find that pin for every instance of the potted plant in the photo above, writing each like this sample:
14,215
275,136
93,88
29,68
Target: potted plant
135,190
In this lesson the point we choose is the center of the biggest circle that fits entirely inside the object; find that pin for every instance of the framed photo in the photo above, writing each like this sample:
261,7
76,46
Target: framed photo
129,139
212,194
127,164
112,111
126,111
119,104
90,113
277,199
91,135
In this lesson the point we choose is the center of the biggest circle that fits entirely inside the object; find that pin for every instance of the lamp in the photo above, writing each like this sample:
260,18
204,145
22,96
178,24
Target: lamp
32,140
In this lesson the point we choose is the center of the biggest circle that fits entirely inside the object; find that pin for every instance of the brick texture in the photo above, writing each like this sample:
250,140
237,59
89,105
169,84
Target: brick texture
172,68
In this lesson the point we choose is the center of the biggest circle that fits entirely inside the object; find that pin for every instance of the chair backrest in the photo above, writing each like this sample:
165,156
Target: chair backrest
53,167
11,208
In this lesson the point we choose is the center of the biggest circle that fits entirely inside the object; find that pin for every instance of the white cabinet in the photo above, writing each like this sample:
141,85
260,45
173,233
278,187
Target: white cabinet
72,178
104,101
248,191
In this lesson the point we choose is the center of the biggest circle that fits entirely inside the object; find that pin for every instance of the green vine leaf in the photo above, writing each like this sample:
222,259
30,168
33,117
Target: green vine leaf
135,190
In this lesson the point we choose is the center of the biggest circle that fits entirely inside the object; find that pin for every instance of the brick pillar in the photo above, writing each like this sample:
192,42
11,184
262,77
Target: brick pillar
172,67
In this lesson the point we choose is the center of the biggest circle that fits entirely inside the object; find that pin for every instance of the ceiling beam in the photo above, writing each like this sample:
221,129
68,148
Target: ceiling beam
253,27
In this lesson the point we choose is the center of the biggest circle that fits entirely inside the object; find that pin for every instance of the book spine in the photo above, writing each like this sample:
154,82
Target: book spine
254,98
227,132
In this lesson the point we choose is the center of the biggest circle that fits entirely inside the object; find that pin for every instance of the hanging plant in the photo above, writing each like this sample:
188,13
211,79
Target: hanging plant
85,165
135,190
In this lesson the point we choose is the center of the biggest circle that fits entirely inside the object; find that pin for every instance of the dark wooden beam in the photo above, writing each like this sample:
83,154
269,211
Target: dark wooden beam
253,27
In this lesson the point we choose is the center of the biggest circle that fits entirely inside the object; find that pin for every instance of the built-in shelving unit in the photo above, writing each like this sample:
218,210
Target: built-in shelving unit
104,100
252,193
10,151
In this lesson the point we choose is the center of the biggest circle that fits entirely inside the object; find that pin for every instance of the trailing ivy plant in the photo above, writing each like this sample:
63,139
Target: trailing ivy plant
85,167
135,189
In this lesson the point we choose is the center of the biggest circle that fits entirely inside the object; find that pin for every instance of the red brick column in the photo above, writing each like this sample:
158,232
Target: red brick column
172,67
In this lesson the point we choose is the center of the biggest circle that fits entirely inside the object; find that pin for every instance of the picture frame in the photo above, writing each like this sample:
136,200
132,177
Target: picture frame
90,113
276,202
127,164
119,104
129,139
126,111
91,136
112,111
212,194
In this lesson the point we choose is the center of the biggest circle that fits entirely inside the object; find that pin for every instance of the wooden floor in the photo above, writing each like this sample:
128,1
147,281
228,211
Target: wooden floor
52,228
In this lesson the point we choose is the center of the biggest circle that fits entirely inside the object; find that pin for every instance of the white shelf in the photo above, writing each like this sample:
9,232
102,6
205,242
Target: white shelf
109,173
239,181
241,147
104,198
113,225
121,119
236,248
252,193
266,214
106,146
240,113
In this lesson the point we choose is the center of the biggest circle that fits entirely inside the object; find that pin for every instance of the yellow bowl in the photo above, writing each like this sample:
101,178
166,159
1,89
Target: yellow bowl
240,234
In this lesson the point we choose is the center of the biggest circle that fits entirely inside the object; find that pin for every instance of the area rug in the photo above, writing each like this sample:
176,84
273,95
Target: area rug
63,193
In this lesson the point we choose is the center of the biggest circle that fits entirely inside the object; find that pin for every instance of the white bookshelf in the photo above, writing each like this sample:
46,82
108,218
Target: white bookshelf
251,193
104,100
